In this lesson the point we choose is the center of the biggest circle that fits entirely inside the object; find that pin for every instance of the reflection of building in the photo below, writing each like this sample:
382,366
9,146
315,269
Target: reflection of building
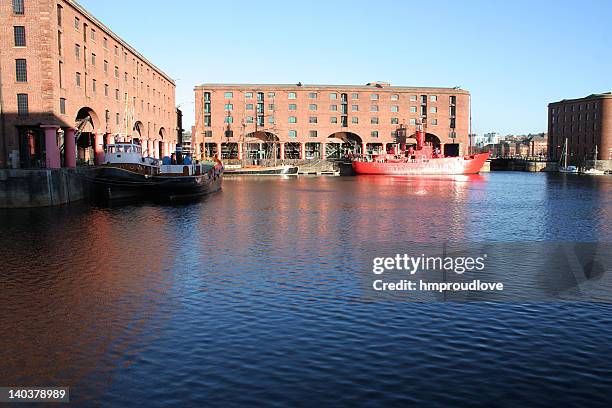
585,123
65,75
322,121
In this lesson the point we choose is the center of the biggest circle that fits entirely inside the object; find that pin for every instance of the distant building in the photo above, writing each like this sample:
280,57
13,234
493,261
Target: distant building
538,145
585,123
325,121
69,86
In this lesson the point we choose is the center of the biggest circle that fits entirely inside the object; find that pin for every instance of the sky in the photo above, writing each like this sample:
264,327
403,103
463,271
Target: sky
513,56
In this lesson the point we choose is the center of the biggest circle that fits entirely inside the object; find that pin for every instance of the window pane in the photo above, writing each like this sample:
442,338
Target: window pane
20,40
21,72
18,8
22,104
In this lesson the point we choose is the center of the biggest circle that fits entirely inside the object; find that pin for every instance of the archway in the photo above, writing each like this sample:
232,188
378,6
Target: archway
87,125
138,131
351,143
161,143
261,145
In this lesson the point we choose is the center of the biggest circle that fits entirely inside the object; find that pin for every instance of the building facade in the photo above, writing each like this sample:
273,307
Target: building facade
324,121
69,85
586,123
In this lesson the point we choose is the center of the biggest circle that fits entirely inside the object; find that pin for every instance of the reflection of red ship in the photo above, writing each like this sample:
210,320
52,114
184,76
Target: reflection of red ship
421,159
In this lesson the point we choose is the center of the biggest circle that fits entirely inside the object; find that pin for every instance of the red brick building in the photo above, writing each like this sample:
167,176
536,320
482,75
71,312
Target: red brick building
585,123
324,121
69,85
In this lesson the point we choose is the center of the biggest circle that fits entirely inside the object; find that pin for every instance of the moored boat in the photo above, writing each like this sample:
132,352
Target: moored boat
423,159
281,170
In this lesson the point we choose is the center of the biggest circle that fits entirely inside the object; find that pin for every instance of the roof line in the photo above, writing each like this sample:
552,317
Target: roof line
296,86
110,32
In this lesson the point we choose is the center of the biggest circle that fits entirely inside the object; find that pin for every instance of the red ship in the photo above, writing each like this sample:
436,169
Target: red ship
420,160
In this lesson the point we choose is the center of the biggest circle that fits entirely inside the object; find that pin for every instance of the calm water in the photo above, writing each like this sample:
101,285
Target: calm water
251,297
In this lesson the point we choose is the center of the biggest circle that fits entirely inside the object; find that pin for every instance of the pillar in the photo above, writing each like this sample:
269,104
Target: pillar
109,139
69,148
98,149
219,150
442,149
364,148
323,151
281,147
240,153
52,153
302,150
150,148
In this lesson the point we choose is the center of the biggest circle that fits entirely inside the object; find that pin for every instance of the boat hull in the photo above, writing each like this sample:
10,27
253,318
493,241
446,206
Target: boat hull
439,166
264,171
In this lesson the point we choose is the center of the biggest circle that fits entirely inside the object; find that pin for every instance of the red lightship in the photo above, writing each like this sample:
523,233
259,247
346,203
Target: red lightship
420,160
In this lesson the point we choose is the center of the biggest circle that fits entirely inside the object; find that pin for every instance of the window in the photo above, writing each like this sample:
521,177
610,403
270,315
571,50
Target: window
271,106
77,51
374,108
116,71
313,133
423,110
229,119
107,116
249,106
433,109
292,95
59,15
63,106
333,108
117,94
249,119
125,76
355,96
270,94
374,121
61,74
423,98
229,107
374,97
312,119
105,89
116,51
374,134
105,42
413,109
92,34
333,96
93,85
18,7
292,119
22,104
394,97
228,95
93,59
453,111
312,107
117,118
394,121
452,123
293,133
413,98
248,95
434,121
207,121
20,40
271,120
292,106
355,108
354,120
21,70
453,100
77,23
312,95
78,79
106,66
394,108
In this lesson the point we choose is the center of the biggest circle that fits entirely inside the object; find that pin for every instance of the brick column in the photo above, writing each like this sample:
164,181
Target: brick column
364,148
52,153
302,150
323,152
281,147
98,148
240,152
219,150
442,149
69,148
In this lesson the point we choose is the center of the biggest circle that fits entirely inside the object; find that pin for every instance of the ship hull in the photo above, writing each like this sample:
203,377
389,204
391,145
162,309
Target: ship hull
439,166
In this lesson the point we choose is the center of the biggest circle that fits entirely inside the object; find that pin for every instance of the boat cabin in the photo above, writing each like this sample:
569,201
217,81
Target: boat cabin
127,153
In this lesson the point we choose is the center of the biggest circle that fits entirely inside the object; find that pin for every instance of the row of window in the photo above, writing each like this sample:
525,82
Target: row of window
292,133
575,107
314,120
573,128
587,116
334,96
334,108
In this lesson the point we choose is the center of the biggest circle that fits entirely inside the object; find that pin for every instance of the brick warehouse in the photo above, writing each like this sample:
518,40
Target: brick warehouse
324,121
585,123
69,85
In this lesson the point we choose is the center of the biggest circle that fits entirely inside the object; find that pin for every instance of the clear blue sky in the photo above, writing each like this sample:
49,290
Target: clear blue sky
513,56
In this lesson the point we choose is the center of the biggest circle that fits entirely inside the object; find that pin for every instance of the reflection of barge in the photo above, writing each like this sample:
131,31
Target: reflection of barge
422,160
126,174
